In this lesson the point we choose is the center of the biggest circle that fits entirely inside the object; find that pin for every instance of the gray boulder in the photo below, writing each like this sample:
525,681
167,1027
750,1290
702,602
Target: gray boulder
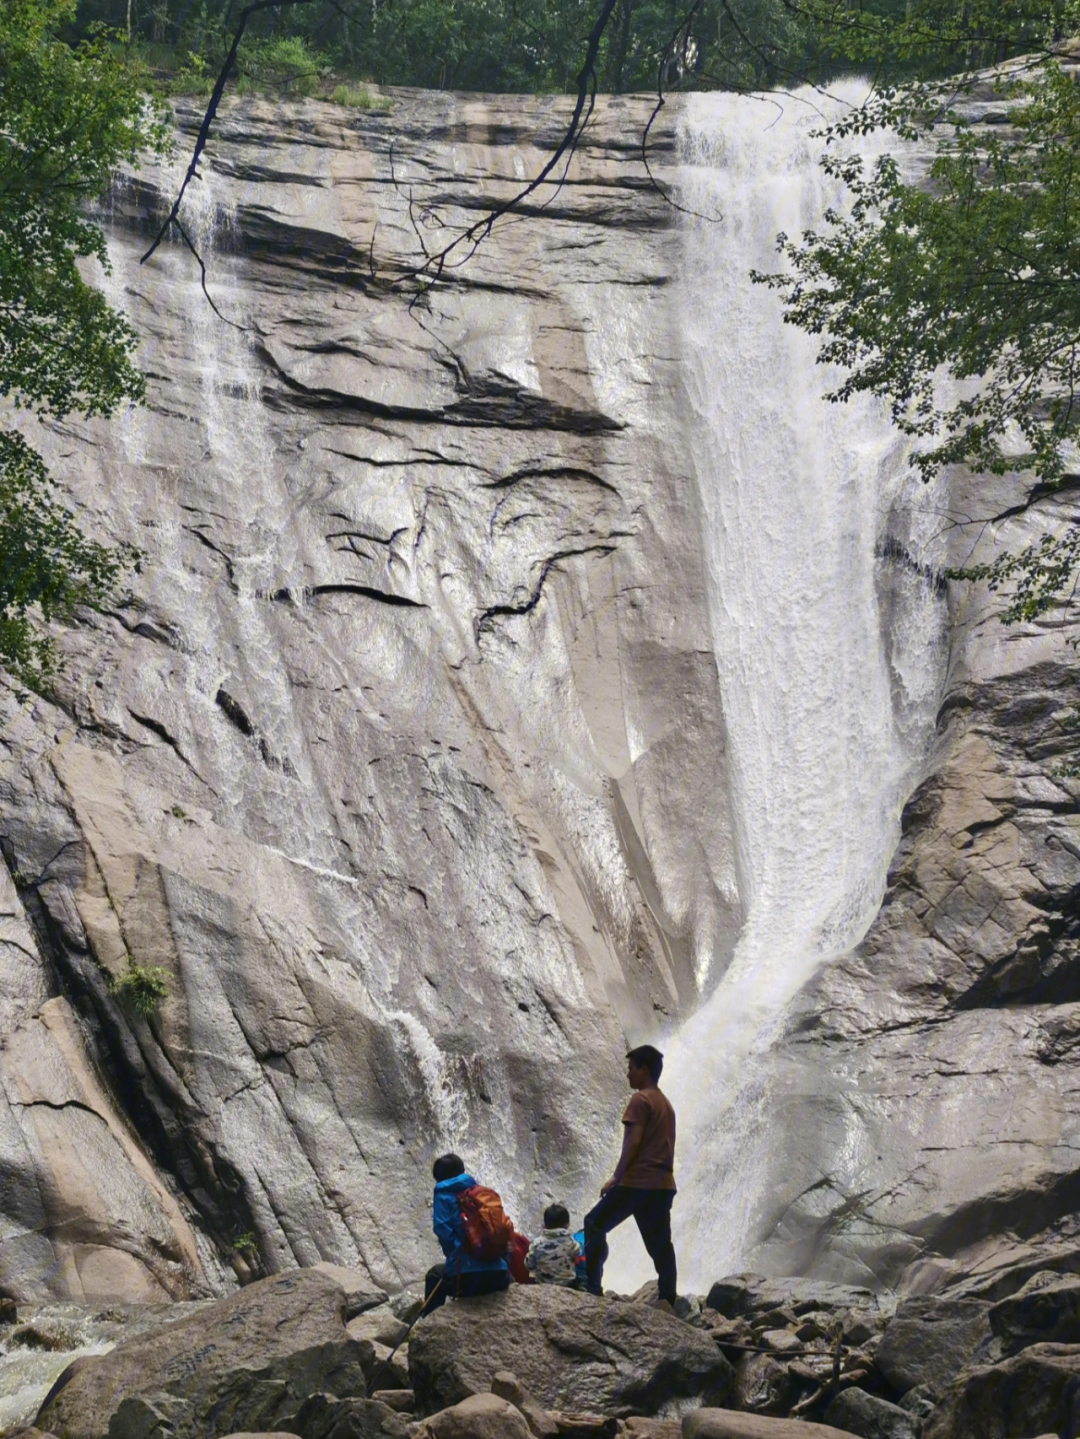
506,1385
1035,1392
571,1351
930,1340
725,1424
748,1295
763,1385
246,1363
1045,1310
325,1417
360,1294
870,1417
481,1416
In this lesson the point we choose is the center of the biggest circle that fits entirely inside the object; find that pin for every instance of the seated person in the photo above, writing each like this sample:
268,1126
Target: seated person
552,1258
463,1276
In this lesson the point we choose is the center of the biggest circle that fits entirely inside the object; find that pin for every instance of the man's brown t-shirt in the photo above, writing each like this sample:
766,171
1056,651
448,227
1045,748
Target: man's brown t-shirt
654,1165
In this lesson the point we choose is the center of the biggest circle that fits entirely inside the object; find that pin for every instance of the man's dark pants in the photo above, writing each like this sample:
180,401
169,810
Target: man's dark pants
439,1286
651,1208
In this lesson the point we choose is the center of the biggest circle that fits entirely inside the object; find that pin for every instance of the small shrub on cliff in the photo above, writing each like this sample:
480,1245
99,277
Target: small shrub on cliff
142,986
354,96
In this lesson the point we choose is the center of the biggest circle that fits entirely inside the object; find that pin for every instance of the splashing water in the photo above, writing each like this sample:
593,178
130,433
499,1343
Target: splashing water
829,702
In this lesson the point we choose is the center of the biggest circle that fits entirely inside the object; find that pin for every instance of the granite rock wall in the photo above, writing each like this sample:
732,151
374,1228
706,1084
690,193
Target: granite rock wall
404,759
393,758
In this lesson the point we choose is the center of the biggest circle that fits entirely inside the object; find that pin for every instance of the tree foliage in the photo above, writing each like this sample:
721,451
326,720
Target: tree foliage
488,45
69,114
955,294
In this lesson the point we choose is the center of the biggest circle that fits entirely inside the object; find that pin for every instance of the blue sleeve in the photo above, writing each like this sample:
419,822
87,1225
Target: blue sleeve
446,1222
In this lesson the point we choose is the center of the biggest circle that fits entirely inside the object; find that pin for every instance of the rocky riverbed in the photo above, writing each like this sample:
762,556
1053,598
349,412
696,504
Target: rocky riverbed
993,1353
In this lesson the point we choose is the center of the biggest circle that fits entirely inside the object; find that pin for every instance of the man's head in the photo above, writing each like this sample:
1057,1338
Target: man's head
447,1166
556,1216
644,1065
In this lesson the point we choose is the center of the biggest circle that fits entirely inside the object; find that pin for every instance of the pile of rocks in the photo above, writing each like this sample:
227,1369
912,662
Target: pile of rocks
318,1354
993,1353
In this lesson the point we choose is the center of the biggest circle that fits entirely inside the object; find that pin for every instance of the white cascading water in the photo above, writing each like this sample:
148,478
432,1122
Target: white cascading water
828,715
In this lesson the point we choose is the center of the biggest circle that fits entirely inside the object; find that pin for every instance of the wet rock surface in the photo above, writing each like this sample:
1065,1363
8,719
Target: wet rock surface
930,1340
1034,1393
248,1362
393,759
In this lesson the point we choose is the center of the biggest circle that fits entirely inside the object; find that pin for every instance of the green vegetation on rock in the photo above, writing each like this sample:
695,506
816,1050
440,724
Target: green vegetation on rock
955,296
69,114
143,986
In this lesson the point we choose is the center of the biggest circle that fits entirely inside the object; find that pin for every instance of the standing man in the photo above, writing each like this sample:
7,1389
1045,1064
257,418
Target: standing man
643,1184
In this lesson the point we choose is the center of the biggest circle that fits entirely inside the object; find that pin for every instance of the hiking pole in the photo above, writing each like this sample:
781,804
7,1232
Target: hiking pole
427,1300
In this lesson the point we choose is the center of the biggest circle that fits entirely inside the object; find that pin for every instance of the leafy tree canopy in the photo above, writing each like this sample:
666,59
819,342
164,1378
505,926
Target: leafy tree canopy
955,295
69,114
492,45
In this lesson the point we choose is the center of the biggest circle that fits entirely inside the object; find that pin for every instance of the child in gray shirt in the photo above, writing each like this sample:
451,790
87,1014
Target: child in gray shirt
552,1257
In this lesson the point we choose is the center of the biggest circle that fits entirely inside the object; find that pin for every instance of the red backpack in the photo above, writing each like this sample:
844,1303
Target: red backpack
485,1230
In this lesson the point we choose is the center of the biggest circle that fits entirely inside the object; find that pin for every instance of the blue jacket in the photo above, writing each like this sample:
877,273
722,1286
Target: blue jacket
446,1222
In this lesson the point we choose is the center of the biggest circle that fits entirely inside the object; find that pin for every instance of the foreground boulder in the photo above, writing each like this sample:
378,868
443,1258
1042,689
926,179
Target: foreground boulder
725,1424
1045,1310
746,1296
930,1340
325,1417
570,1350
1037,1392
482,1416
869,1417
247,1363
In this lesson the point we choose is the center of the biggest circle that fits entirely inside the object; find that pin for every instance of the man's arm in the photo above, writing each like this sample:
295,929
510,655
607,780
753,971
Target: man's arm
633,1134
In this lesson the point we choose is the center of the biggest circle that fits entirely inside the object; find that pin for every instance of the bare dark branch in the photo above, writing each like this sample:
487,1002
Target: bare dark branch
211,112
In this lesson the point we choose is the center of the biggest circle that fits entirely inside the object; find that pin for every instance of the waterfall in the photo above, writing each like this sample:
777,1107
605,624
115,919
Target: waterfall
829,693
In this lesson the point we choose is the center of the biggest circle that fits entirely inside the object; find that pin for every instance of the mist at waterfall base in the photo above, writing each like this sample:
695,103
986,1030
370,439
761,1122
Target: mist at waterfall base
830,658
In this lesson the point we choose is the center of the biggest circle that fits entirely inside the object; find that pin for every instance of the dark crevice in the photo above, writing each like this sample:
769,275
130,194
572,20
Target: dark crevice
560,472
163,1117
485,621
892,549
147,630
549,1011
57,1105
234,712
384,597
156,727
412,462
386,542
215,549
489,403
1066,485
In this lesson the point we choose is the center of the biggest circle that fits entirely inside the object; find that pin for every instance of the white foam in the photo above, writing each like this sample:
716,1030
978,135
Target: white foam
828,714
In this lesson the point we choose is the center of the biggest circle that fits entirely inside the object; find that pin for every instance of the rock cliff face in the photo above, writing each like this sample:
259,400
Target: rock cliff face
394,758
405,760
937,1059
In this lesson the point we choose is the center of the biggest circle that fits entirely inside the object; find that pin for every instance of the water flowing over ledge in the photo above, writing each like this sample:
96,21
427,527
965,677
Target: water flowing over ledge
830,655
